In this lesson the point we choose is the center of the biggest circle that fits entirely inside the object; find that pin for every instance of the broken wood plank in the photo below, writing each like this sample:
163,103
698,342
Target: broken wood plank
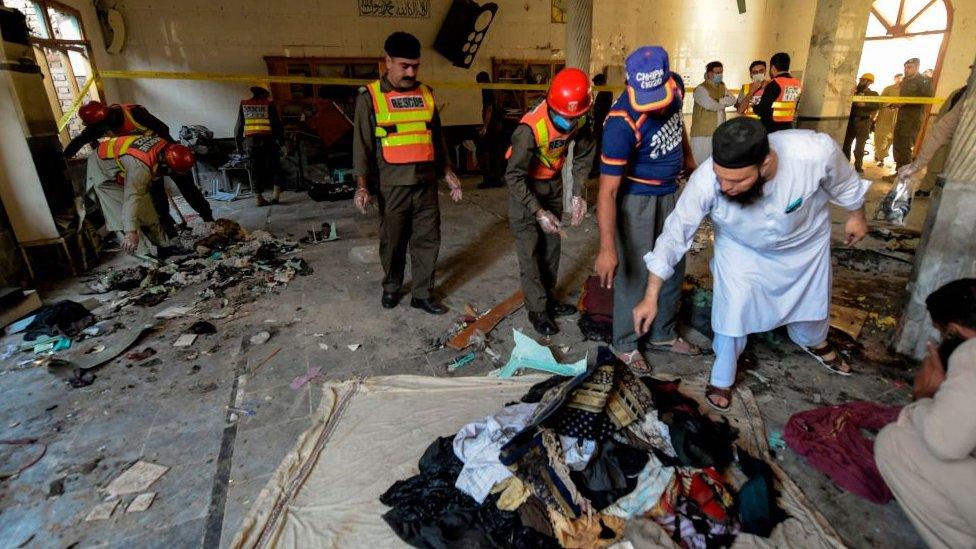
847,319
487,321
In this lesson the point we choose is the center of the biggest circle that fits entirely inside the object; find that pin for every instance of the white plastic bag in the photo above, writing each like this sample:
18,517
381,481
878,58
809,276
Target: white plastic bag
894,207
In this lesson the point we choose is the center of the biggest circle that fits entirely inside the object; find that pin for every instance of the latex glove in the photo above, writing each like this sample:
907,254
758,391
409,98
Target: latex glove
455,184
728,100
130,242
579,210
362,200
548,221
908,170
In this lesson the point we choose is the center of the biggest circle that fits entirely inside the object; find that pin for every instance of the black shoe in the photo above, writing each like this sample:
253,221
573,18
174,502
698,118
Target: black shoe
428,305
543,324
561,308
390,300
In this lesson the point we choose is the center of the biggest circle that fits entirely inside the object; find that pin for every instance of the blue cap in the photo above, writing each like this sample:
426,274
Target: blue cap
648,74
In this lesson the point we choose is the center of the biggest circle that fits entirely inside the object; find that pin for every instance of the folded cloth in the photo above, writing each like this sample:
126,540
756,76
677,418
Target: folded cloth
477,444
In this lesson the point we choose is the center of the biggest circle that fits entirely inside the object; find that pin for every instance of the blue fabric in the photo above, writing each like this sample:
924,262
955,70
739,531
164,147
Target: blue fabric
658,156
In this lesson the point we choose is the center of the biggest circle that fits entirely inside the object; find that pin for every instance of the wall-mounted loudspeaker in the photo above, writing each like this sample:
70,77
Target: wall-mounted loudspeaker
463,30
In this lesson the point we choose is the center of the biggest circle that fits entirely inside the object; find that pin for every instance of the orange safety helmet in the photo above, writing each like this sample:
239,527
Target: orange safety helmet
569,93
179,158
93,112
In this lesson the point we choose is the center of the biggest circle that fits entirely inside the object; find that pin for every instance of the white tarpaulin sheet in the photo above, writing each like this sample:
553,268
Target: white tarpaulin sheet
371,433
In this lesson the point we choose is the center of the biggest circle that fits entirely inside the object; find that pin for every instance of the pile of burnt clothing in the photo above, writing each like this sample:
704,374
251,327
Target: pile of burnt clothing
576,460
225,256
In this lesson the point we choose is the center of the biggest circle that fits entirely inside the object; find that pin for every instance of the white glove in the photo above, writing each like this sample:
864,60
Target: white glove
728,100
455,184
548,221
579,210
908,170
362,200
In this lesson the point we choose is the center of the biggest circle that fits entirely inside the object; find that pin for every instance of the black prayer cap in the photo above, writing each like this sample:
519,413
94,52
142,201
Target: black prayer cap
740,142
402,44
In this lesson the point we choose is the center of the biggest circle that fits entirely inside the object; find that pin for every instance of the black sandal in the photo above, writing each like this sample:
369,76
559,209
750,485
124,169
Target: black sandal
834,365
724,392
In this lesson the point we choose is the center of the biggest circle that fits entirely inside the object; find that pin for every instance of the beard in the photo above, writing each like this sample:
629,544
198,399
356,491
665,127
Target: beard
749,197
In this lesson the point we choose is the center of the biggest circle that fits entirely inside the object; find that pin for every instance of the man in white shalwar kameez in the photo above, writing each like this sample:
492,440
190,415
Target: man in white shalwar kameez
768,200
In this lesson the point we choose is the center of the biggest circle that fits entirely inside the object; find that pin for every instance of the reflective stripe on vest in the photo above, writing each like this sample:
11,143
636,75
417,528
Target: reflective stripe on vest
129,125
784,107
549,153
403,123
144,148
752,101
257,116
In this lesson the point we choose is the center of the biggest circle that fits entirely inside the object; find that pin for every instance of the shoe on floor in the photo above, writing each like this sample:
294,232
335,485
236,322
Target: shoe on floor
543,324
428,305
561,308
262,201
390,300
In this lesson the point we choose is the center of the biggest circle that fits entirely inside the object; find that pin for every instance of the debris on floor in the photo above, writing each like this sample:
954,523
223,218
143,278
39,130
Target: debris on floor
325,233
141,502
847,319
185,340
461,361
527,354
137,478
260,338
301,380
102,511
202,327
487,322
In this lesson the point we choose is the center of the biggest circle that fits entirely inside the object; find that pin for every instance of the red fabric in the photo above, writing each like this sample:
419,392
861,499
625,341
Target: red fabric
596,300
831,440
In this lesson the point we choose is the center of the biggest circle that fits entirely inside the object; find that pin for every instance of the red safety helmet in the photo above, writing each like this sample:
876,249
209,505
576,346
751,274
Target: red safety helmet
179,158
569,93
93,112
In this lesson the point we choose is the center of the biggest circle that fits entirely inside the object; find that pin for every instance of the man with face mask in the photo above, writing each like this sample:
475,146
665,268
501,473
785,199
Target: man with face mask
538,151
928,456
750,93
398,143
768,198
711,99
859,122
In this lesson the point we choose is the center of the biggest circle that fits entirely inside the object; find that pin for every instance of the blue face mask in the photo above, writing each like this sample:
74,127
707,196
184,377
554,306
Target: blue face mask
561,122
717,78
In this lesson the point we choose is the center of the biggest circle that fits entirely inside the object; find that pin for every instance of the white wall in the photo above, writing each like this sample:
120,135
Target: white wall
233,36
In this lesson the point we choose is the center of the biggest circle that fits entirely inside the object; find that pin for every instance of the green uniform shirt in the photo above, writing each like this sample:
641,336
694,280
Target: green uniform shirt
367,158
863,110
916,86
517,172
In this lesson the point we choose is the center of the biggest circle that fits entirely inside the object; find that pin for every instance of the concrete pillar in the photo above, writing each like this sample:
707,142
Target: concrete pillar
579,31
947,251
831,71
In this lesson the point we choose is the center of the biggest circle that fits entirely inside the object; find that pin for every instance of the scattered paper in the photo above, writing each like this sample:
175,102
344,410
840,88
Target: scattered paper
137,478
175,311
260,338
141,503
102,511
354,346
529,354
185,340
323,346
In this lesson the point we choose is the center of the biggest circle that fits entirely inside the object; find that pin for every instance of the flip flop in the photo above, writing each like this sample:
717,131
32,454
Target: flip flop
635,361
677,346
832,365
713,391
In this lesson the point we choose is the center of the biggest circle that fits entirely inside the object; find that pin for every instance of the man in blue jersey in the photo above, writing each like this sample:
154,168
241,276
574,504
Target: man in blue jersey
645,149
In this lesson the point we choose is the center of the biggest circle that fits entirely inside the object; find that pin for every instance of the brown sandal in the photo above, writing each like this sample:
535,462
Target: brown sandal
636,362
834,364
724,392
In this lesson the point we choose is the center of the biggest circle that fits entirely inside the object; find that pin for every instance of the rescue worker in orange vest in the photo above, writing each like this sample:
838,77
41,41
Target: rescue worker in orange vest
777,106
750,93
535,188
121,172
117,120
260,136
398,152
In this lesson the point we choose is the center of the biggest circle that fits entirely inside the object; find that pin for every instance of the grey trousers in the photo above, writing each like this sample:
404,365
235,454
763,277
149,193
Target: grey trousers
640,220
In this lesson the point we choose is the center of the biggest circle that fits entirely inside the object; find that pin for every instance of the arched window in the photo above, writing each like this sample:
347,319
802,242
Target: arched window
901,29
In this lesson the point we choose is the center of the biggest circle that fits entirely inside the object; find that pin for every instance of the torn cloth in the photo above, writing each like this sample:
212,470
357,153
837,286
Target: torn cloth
831,440
477,445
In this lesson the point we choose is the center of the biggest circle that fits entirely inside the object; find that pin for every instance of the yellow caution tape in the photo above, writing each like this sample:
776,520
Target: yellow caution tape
63,121
250,78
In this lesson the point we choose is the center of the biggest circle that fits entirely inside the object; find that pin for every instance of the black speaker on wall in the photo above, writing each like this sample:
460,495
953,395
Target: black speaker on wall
463,30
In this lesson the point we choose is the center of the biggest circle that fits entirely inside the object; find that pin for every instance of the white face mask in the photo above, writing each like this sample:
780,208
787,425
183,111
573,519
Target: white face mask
757,78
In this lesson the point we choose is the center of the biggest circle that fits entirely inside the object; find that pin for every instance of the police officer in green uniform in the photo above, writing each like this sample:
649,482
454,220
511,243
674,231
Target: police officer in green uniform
910,116
398,143
859,122
533,175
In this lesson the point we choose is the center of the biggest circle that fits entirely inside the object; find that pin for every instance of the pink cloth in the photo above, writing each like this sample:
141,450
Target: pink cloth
831,440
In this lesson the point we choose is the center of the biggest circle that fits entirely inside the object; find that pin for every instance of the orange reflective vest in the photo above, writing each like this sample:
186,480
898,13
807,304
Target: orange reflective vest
144,148
752,101
257,116
784,107
403,121
129,125
551,144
